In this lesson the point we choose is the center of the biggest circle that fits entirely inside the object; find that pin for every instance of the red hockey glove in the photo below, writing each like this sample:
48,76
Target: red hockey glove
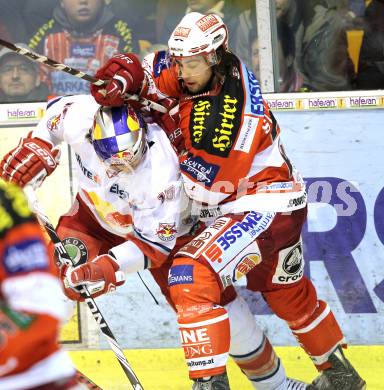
101,276
123,74
30,162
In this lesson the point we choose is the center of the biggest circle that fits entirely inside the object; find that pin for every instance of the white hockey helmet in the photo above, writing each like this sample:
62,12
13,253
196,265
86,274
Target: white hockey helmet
198,34
118,137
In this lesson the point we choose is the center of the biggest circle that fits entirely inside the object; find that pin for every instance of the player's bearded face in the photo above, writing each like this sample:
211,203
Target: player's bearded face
194,71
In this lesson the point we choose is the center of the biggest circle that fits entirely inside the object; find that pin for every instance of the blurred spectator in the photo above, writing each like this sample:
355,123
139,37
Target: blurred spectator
36,13
371,62
313,44
82,34
174,11
290,78
19,79
355,13
138,13
323,55
357,7
255,60
246,37
287,13
12,26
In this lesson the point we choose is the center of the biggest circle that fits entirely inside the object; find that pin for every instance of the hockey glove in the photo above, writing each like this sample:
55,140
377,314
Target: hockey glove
123,74
101,276
30,162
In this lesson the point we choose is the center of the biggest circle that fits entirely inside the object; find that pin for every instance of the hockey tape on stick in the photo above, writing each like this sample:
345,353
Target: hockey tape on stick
64,258
74,72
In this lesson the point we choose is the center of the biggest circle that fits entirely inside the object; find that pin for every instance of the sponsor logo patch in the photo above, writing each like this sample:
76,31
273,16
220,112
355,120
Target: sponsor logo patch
49,160
245,264
278,187
290,267
26,256
182,32
53,122
200,363
166,231
253,224
210,213
293,262
207,22
180,274
115,189
257,105
295,202
200,170
247,133
76,249
86,172
225,116
20,114
195,247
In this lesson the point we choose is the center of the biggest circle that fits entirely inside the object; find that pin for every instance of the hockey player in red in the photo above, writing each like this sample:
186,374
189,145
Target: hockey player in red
31,303
234,166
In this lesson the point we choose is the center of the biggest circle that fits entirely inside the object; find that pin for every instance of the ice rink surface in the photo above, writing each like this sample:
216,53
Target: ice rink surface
164,369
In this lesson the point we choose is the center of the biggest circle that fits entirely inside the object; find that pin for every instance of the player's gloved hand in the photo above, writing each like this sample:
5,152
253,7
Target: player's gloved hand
30,162
123,74
101,276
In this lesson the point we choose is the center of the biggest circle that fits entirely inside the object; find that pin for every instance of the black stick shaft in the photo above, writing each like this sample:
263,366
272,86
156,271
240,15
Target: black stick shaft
53,64
74,72
65,259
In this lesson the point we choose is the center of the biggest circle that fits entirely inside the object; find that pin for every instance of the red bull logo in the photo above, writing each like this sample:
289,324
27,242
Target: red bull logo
166,231
53,122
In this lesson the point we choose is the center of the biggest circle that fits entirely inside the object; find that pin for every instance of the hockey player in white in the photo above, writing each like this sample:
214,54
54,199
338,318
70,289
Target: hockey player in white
127,213
126,171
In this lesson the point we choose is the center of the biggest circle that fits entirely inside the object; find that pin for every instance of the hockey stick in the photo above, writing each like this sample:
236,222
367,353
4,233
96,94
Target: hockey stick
75,72
64,259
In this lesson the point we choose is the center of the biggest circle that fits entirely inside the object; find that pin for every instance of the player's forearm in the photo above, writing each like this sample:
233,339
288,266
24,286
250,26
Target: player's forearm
129,257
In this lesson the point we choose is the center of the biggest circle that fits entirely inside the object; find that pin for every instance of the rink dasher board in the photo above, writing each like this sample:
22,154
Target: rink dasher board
19,114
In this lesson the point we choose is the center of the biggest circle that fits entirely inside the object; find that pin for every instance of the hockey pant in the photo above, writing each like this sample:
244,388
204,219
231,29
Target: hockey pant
196,285
85,239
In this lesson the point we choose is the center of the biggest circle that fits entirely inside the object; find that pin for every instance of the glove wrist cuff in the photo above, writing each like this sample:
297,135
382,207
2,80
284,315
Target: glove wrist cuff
129,257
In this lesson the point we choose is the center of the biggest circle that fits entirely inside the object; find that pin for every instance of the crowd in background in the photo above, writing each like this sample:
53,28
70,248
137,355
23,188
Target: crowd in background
322,45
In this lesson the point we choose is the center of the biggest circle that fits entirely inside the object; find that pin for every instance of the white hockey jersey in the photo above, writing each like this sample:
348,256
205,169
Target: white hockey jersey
144,206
